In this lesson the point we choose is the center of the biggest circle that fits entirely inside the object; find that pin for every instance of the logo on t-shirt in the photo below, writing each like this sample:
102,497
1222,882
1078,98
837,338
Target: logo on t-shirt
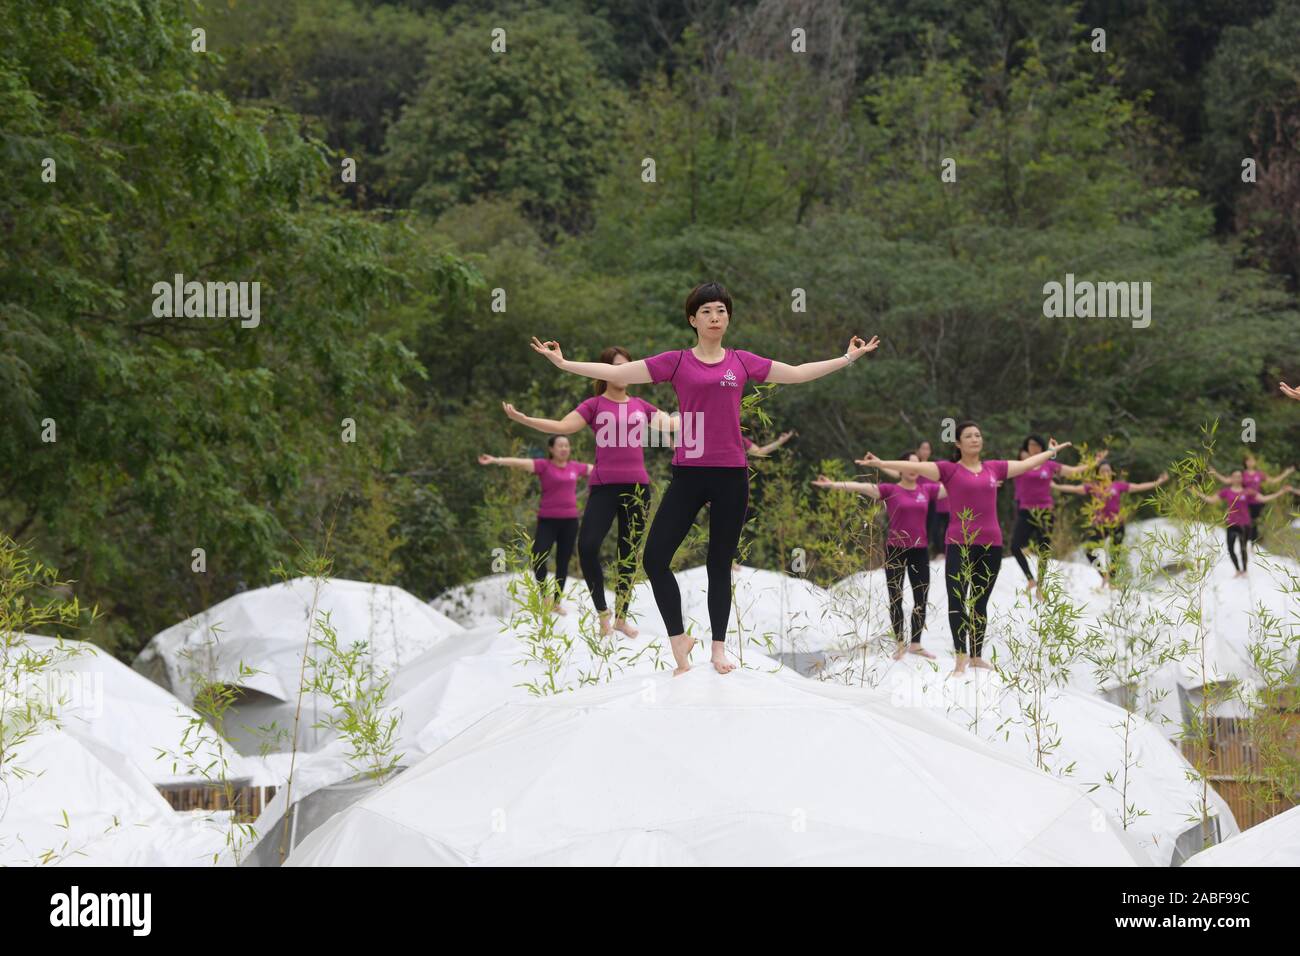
729,378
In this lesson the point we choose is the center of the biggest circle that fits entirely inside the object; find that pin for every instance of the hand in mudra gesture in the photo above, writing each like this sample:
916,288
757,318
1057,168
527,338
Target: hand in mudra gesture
550,349
858,348
867,461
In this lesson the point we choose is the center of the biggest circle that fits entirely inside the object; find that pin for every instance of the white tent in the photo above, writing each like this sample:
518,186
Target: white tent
1275,842
114,815
748,768
1123,760
255,641
456,683
97,696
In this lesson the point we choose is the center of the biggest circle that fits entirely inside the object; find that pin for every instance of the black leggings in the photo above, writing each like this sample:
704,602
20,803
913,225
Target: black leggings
1032,527
970,578
559,533
936,529
1238,532
916,565
726,490
627,502
1097,535
1255,511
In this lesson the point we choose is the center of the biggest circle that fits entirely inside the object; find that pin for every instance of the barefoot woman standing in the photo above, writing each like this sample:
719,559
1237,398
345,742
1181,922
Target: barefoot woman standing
709,463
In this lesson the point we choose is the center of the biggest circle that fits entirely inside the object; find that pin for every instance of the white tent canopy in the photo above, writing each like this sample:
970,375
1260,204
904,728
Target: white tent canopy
1123,760
114,815
748,768
97,696
1275,842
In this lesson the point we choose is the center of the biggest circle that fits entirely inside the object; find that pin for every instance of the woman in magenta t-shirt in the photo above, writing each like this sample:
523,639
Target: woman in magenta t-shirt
973,542
1106,519
709,461
1034,505
907,504
1253,480
1239,519
619,488
557,512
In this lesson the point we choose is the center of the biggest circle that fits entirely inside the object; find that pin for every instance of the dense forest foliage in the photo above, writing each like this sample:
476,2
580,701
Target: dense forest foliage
498,195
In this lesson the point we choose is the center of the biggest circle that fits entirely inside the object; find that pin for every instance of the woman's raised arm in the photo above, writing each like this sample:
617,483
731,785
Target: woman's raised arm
861,487
782,374
523,464
926,469
629,373
1016,468
570,423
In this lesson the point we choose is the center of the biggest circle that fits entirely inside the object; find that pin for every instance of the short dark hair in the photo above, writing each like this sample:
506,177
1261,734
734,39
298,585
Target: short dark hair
703,294
1024,446
550,443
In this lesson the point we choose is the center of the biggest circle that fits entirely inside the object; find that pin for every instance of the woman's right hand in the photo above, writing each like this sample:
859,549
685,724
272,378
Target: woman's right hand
486,460
512,412
550,349
868,460
822,482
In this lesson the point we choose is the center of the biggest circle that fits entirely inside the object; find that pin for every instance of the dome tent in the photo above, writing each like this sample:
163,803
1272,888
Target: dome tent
1083,734
255,639
752,768
97,696
1275,842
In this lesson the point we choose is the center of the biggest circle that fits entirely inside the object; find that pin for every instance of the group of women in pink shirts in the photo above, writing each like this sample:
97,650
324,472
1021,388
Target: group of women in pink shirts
949,505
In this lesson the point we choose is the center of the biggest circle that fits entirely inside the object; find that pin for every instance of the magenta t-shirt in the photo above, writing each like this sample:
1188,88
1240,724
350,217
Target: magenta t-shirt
940,504
709,398
1034,488
622,430
1238,505
1252,481
1108,513
906,510
978,493
559,487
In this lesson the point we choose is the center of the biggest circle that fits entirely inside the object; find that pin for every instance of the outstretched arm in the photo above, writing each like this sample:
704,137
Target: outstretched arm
1085,465
523,464
861,487
1276,478
782,374
1150,485
1221,479
629,373
1277,494
1209,499
1289,391
762,451
926,469
567,425
1070,489
1016,468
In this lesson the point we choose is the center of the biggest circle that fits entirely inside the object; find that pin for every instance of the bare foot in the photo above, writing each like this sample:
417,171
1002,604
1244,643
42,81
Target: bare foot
621,625
900,651
605,627
559,609
915,648
962,661
719,658
981,663
682,645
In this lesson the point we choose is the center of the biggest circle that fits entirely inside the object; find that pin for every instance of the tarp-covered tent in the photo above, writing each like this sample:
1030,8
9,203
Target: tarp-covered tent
1123,760
91,806
255,641
1275,842
97,696
753,767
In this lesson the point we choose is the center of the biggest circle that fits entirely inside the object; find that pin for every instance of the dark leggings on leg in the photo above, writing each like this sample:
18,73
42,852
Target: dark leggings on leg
726,490
559,533
936,528
628,503
970,576
1255,511
914,563
1238,533
1032,527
